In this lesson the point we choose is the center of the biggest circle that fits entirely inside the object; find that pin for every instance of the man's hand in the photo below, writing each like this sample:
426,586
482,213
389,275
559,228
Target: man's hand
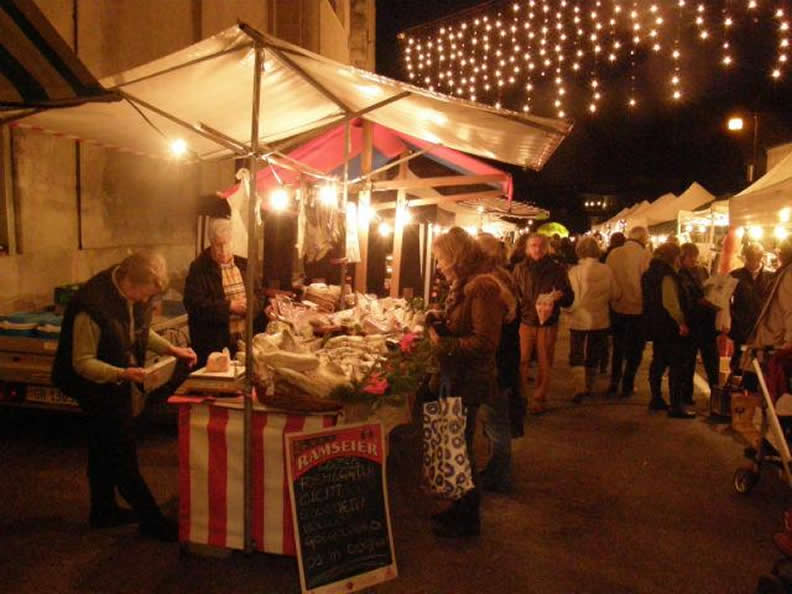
134,374
185,353
239,306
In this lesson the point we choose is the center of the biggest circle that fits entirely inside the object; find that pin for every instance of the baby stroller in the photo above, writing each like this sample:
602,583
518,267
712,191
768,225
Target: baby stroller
773,418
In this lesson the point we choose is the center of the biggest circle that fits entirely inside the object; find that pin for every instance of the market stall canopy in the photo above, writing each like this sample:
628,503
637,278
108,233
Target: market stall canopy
667,207
657,209
635,217
767,201
471,210
202,95
716,214
325,154
37,67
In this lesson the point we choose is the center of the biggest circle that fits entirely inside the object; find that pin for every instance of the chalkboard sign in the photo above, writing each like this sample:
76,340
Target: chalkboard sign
340,504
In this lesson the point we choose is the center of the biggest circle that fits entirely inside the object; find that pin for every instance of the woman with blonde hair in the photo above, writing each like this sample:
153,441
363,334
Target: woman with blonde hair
465,340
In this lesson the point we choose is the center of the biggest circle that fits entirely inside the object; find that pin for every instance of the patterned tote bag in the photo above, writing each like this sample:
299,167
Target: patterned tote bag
446,465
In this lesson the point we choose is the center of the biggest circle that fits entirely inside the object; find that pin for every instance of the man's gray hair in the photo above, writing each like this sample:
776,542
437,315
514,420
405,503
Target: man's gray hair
145,269
543,238
639,234
219,230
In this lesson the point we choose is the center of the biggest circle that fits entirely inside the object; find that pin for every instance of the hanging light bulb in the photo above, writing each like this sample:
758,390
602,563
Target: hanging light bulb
178,147
328,195
279,199
384,229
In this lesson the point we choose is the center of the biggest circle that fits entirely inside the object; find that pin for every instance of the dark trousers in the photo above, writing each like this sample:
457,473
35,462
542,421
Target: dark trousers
671,356
588,348
113,463
708,348
628,344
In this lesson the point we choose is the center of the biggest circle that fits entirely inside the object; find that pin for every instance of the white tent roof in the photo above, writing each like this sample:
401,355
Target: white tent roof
762,202
667,207
208,88
658,205
636,215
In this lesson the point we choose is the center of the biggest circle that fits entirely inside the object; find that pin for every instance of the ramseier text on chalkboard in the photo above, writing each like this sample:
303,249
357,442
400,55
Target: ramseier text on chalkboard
326,450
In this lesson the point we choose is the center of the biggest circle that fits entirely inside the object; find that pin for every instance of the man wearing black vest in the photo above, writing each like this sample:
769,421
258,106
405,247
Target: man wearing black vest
100,358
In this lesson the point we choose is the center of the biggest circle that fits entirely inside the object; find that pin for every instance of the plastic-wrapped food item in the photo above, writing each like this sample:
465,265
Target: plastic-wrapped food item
218,362
544,306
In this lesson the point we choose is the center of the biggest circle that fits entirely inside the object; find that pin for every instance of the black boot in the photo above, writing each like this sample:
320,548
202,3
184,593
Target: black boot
461,519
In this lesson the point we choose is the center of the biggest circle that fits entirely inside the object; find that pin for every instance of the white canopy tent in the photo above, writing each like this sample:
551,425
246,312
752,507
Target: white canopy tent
767,201
667,207
242,93
635,216
202,95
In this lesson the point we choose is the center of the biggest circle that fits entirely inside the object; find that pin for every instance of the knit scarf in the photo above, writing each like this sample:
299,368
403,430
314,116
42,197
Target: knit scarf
455,295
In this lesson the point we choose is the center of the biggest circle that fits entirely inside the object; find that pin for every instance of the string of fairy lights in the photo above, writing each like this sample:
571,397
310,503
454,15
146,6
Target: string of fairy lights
514,54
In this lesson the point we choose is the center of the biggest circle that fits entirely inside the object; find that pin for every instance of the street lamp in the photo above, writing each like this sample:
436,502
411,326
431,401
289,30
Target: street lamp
736,124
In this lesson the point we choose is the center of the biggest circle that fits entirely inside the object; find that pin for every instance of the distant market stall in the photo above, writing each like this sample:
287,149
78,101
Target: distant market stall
242,94
763,210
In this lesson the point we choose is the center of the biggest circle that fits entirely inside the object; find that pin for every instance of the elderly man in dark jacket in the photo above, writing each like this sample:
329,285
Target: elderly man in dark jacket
542,289
99,362
701,316
214,295
753,286
664,309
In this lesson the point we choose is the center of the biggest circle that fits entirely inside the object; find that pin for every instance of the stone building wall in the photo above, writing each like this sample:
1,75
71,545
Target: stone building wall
80,208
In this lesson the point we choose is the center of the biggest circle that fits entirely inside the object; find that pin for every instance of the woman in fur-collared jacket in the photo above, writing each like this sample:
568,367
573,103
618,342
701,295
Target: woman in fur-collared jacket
465,346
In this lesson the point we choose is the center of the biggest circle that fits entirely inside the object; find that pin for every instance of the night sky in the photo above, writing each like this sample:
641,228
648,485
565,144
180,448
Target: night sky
638,155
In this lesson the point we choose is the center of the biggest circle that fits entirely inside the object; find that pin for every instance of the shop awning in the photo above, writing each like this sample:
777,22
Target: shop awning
202,95
38,69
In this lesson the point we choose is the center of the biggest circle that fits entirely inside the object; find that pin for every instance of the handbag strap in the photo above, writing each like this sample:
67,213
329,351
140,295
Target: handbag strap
444,391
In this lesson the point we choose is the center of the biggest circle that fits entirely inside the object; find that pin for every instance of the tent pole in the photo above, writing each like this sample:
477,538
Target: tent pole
398,234
428,268
344,197
251,273
364,209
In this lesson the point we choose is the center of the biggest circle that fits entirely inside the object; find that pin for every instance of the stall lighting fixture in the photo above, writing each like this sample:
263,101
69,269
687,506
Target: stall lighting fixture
780,233
785,214
279,199
755,232
740,232
735,124
384,229
403,216
364,213
328,195
178,147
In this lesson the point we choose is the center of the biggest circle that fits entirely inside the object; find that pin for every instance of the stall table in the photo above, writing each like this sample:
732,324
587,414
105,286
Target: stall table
211,472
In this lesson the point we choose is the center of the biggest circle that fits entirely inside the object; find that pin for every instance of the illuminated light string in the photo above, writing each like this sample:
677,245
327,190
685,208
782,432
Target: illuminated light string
520,48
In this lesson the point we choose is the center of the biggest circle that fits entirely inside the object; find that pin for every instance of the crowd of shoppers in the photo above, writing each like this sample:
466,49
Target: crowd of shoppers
501,319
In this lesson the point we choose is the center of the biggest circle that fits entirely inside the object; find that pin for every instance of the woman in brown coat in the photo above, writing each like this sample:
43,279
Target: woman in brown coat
465,343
